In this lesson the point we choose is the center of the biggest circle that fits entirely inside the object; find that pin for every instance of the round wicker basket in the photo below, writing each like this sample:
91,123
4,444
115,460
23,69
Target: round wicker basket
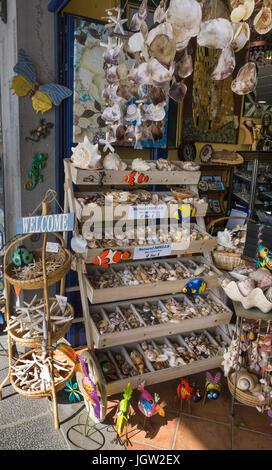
65,260
59,333
58,355
227,261
245,397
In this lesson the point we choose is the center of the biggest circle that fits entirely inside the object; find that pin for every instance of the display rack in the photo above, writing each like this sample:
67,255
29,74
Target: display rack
159,291
43,344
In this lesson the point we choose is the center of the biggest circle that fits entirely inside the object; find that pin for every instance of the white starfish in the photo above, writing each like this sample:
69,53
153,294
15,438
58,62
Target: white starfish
107,142
115,22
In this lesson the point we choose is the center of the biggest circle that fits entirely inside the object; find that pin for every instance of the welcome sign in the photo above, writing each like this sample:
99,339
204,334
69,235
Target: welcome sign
46,223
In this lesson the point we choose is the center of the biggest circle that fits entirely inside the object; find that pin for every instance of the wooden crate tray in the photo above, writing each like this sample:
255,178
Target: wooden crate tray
153,376
123,292
125,211
94,177
146,331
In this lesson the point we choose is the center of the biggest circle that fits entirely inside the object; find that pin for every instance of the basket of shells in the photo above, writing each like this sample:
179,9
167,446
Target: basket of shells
26,325
30,375
248,388
228,254
183,194
30,276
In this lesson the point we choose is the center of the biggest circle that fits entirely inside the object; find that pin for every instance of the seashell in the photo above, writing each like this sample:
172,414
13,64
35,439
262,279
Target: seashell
246,79
156,132
163,49
156,113
269,294
136,42
131,113
111,74
157,95
215,34
110,94
262,276
120,132
177,91
246,286
123,91
138,164
86,155
181,37
130,134
164,28
139,17
184,67
241,34
262,21
160,12
111,113
250,5
112,161
225,66
140,74
246,381
159,73
256,298
238,13
185,13
122,71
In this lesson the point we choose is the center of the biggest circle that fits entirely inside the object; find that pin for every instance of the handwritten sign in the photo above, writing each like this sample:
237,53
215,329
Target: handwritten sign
152,251
46,223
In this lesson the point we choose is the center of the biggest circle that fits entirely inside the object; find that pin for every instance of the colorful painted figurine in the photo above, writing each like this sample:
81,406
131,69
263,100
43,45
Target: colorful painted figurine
185,211
195,287
26,84
266,255
122,415
110,257
212,386
22,257
38,164
136,178
85,383
149,405
185,391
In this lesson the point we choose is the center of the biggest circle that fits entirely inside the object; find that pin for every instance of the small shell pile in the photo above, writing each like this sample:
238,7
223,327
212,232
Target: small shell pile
33,374
232,241
28,320
201,346
126,369
147,314
107,365
138,361
96,199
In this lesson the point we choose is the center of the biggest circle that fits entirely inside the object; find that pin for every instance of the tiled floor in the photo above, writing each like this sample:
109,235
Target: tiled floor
206,428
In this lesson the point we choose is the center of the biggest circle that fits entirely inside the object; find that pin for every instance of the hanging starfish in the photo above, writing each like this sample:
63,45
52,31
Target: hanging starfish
107,142
115,22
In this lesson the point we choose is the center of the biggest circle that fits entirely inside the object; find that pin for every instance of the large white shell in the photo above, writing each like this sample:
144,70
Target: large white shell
246,79
131,114
156,113
86,155
215,34
163,28
225,66
241,34
138,164
263,21
112,161
256,298
136,42
185,13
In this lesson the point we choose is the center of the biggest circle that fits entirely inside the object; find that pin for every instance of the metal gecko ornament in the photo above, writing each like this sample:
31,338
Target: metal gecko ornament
35,176
26,84
41,132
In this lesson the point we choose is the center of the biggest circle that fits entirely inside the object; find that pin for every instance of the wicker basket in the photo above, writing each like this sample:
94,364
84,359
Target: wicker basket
181,194
35,342
245,397
39,394
223,259
38,282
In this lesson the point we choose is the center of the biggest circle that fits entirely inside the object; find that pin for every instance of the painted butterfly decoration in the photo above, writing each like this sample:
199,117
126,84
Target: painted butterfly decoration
25,83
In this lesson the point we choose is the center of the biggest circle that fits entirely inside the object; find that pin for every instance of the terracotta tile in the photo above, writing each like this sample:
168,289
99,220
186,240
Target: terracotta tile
251,418
196,434
246,440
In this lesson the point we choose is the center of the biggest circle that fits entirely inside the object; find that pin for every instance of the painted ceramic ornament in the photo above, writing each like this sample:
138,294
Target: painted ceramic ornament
149,405
41,132
185,391
185,211
122,415
110,257
86,155
136,177
196,286
86,384
26,84
265,256
35,176
213,385
22,257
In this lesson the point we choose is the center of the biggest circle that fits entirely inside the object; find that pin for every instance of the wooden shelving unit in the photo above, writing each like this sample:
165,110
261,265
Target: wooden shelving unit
123,296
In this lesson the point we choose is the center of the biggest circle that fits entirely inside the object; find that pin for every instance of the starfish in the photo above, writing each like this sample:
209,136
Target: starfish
115,22
107,142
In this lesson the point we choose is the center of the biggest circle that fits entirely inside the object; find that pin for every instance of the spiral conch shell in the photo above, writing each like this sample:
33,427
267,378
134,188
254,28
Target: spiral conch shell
86,155
246,79
246,381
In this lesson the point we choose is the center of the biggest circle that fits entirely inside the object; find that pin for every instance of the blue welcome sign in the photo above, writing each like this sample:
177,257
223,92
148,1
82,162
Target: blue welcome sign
46,223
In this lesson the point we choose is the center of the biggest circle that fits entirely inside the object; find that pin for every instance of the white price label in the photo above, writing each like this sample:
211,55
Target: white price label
151,211
52,247
62,301
152,251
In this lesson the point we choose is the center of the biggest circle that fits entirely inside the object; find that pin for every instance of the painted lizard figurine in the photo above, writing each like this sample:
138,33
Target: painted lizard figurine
266,257
38,164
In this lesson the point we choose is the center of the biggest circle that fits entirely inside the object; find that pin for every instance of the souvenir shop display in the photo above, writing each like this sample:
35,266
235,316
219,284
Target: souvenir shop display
43,370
